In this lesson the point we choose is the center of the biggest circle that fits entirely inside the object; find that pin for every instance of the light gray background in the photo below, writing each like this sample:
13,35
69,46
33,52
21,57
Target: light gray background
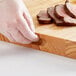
20,61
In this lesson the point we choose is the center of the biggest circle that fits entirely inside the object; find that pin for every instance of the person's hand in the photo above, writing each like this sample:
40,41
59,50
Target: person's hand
16,23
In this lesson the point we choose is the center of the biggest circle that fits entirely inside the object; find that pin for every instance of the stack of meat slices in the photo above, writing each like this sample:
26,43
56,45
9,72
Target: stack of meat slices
62,14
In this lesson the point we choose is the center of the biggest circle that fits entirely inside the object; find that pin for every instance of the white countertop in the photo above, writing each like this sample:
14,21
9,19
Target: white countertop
21,61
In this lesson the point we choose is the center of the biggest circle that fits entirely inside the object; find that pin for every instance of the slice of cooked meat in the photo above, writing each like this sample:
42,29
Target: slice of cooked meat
43,13
43,17
44,20
70,21
51,14
70,9
60,11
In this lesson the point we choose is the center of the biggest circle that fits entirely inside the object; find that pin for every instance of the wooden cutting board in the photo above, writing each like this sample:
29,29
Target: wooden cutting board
54,39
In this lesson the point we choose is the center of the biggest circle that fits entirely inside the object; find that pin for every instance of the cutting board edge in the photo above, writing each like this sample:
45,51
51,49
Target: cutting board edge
51,45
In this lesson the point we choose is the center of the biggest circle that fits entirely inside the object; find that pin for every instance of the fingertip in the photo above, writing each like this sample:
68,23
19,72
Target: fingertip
36,38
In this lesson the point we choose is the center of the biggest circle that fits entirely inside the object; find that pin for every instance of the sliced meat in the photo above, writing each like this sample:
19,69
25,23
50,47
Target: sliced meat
70,9
65,21
44,20
61,14
60,11
43,17
51,14
70,21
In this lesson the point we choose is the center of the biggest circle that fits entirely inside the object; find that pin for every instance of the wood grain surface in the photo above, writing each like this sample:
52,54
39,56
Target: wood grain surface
54,39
